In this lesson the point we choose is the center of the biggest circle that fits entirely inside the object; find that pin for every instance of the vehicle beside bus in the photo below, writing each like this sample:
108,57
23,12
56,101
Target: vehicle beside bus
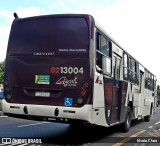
1,91
68,68
1,97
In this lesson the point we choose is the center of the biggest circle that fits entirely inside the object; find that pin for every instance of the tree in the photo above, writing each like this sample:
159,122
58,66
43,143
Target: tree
1,72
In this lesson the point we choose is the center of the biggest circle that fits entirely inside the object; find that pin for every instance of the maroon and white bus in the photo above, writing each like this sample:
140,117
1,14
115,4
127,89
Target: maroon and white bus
68,68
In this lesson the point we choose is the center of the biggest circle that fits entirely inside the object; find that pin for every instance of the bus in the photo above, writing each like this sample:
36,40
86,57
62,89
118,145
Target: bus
66,67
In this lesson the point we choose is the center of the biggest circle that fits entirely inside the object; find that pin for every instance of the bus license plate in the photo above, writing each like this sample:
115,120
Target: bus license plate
42,94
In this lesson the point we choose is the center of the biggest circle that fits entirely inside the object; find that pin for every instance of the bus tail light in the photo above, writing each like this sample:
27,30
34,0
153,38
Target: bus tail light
83,93
85,85
88,18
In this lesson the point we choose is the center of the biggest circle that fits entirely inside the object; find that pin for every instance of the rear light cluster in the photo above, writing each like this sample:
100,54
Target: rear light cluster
7,93
83,93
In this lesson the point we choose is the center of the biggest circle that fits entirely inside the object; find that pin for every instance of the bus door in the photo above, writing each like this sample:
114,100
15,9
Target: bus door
116,92
98,100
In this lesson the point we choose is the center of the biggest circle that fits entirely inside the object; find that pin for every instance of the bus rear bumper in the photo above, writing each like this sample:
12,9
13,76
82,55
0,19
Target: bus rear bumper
57,112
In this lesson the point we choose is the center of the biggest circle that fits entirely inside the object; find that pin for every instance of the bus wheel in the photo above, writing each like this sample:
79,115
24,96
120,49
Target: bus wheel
157,103
127,124
147,118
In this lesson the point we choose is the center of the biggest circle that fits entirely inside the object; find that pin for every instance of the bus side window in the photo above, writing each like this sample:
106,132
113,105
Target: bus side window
98,44
125,67
149,76
118,68
152,80
133,74
110,49
137,72
146,79
104,46
107,68
99,60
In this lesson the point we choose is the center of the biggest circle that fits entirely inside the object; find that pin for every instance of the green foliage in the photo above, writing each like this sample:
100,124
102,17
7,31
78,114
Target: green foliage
2,64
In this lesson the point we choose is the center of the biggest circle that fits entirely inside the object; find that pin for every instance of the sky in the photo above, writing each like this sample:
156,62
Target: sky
134,24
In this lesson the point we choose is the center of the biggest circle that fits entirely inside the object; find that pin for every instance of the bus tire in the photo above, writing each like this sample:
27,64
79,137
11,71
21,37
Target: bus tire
147,118
157,103
127,123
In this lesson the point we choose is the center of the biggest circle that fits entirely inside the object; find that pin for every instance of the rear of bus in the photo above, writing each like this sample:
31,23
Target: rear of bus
48,71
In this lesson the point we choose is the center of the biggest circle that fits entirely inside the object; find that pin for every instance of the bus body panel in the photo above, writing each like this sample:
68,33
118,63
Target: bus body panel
83,113
98,111
59,85
51,60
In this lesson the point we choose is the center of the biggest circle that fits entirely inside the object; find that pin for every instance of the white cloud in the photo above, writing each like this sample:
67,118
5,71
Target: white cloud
5,13
27,12
135,24
7,19
4,31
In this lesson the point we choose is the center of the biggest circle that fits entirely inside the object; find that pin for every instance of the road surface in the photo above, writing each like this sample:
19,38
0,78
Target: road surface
141,133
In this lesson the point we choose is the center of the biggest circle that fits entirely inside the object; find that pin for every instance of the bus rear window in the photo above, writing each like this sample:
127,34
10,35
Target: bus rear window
52,35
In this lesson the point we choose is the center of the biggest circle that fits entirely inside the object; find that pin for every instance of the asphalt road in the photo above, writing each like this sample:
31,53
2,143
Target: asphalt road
141,133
